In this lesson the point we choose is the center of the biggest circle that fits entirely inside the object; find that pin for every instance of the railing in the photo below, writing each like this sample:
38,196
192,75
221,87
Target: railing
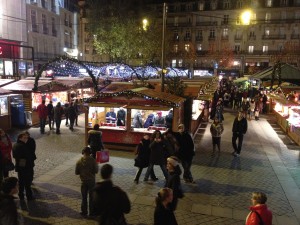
224,37
252,37
211,38
199,38
54,32
272,37
207,23
187,38
238,37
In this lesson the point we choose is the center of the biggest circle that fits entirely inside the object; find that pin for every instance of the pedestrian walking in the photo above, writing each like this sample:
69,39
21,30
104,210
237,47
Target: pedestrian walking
66,112
173,181
31,144
77,109
216,130
58,112
8,208
50,111
95,140
24,165
186,152
259,212
42,113
87,168
163,215
239,129
110,201
5,155
72,115
142,158
157,155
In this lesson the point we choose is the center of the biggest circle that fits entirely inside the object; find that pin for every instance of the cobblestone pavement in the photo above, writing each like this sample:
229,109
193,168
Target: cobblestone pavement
269,162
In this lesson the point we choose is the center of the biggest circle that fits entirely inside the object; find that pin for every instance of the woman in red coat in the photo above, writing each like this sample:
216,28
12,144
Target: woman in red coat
5,151
259,210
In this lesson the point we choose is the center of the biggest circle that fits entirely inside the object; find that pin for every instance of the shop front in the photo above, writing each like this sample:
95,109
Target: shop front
125,116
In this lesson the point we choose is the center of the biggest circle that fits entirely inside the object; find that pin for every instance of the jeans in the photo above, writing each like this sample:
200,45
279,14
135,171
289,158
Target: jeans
72,120
139,172
42,124
57,123
150,168
186,164
51,122
24,176
86,191
239,136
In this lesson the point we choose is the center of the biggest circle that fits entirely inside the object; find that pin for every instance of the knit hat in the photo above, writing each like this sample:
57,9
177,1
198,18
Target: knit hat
173,160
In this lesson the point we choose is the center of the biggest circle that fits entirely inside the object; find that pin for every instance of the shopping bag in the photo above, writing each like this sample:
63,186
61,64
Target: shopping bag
102,156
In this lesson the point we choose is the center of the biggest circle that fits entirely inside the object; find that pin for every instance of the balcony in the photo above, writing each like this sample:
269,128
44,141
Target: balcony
199,38
251,37
45,30
295,36
274,37
224,37
207,23
35,28
238,37
187,38
54,32
212,38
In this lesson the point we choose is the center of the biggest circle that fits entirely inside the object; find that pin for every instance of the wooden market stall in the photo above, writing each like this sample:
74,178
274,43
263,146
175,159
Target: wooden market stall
133,101
5,114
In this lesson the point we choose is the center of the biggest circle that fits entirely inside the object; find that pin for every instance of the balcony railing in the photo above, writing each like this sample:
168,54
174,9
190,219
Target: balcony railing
224,37
207,23
45,30
35,28
212,38
238,37
199,38
274,36
295,36
251,37
187,38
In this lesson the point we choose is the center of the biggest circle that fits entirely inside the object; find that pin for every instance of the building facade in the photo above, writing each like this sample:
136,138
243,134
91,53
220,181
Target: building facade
236,36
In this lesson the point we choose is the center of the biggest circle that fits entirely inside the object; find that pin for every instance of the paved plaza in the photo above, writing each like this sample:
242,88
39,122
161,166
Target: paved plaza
269,162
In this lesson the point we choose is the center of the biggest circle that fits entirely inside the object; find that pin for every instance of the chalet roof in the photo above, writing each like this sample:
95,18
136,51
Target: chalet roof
4,82
4,91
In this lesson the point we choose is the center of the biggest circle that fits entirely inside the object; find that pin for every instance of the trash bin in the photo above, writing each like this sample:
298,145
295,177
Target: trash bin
17,114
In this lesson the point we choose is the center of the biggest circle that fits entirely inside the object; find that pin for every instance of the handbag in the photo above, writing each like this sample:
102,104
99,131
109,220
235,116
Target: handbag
9,166
102,156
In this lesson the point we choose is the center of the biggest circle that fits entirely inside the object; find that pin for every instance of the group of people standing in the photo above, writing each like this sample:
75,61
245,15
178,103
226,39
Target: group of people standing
54,114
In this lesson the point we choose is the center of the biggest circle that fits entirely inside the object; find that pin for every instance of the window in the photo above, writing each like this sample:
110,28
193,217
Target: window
238,34
176,21
176,36
282,31
237,47
173,62
265,48
283,15
189,7
226,4
44,22
253,20
250,48
180,62
239,4
33,16
238,20
297,15
269,3
187,47
284,2
199,47
280,47
213,5
268,17
267,32
212,33
53,6
225,32
175,48
225,19
199,33
201,6
188,34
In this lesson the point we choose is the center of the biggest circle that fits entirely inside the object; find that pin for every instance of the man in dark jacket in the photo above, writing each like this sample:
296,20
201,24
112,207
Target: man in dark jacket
50,115
239,128
43,113
110,202
24,165
32,147
8,208
186,152
95,140
72,115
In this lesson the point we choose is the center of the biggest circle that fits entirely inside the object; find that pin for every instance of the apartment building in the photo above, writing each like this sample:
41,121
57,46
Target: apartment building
52,29
16,57
234,36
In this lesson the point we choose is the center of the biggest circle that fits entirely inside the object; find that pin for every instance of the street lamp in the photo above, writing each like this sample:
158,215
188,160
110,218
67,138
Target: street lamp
165,9
145,24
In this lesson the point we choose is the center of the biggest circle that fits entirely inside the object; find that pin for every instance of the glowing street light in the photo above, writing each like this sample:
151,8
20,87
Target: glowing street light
246,17
145,24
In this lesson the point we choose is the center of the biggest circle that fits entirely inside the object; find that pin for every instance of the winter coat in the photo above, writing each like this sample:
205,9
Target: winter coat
5,149
169,120
121,117
164,216
58,112
72,112
110,201
86,168
31,145
8,210
143,154
174,183
95,140
263,211
149,121
50,109
240,126
159,121
216,129
186,146
23,155
137,120
42,111
158,154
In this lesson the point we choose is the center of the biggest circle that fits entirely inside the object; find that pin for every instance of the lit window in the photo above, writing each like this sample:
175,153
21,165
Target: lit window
187,47
180,61
268,17
226,4
251,49
176,48
199,47
265,48
201,6
237,48
267,32
173,62
269,3
225,32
